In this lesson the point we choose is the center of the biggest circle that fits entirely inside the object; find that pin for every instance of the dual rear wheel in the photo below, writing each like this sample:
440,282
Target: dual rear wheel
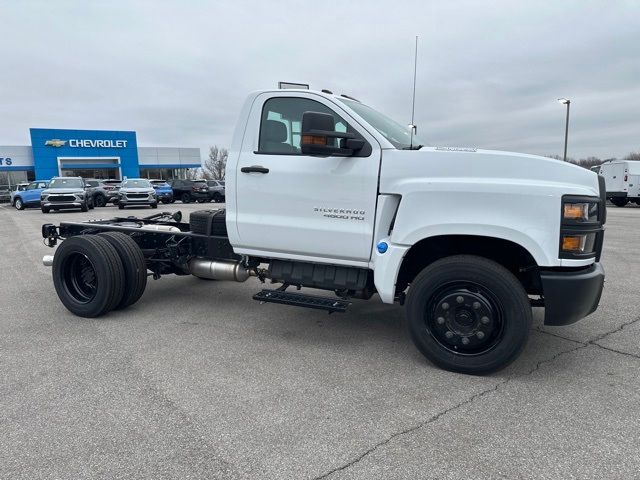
94,274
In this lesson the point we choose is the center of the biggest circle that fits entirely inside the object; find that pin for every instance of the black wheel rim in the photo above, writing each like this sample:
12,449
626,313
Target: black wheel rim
79,278
465,318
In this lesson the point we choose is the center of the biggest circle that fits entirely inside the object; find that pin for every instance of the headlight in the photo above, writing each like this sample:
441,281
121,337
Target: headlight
580,212
581,228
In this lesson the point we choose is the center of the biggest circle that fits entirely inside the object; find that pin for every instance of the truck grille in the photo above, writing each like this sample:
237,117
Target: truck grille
61,198
137,196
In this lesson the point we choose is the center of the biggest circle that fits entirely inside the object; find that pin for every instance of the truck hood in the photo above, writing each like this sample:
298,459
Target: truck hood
404,171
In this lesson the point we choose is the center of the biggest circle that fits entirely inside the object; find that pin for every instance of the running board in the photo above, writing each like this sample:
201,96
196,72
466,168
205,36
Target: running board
300,300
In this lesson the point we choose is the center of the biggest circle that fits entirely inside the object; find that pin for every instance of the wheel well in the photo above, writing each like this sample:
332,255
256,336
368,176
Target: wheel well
510,255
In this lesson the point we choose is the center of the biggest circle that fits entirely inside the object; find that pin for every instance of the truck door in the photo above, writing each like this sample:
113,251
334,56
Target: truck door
290,205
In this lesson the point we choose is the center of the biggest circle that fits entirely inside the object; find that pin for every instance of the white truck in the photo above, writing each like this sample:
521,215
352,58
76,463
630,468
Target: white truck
622,181
324,192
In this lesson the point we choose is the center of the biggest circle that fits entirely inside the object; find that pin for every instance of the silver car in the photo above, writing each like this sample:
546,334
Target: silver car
137,191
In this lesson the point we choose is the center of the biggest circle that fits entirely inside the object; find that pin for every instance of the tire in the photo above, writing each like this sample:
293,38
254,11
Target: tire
88,275
120,206
84,207
90,204
487,328
165,201
154,205
100,201
173,200
619,201
185,198
217,197
44,209
135,267
18,203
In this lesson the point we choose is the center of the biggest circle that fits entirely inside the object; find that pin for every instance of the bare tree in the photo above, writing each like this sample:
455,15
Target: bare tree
215,165
194,174
633,156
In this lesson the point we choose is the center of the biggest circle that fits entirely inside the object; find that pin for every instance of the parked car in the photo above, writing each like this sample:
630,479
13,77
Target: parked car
137,191
65,193
95,189
20,187
29,196
189,190
163,190
111,188
216,190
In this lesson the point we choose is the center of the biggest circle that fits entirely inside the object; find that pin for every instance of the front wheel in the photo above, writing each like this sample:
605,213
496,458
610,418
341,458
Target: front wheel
19,204
185,198
84,207
619,201
468,314
100,201
45,209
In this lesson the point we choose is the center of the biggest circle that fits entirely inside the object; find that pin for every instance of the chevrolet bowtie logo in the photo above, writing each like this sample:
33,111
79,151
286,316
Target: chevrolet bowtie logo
55,143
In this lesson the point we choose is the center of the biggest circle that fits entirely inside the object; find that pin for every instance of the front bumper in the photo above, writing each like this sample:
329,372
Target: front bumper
571,295
61,205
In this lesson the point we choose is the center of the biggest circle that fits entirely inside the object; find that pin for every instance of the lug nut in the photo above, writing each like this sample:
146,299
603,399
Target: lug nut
480,335
465,341
449,334
440,320
459,299
485,320
445,306
476,305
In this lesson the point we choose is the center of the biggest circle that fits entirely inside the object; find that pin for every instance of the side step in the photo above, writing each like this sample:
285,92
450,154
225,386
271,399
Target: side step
300,300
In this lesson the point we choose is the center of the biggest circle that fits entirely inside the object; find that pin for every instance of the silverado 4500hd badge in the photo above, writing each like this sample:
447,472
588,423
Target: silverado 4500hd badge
342,213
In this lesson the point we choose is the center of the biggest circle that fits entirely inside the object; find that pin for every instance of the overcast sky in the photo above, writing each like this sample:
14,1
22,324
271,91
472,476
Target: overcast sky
489,72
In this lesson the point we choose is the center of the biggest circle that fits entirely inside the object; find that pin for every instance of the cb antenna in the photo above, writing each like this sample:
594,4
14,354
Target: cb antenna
413,102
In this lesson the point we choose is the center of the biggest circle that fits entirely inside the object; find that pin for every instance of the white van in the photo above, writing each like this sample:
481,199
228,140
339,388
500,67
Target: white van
622,179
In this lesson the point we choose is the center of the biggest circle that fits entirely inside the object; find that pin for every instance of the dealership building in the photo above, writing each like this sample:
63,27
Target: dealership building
92,154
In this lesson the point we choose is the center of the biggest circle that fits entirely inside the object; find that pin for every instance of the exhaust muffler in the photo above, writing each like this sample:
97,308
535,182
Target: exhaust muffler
219,270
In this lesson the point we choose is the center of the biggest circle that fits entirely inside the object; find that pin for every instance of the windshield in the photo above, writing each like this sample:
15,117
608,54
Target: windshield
398,135
66,183
136,183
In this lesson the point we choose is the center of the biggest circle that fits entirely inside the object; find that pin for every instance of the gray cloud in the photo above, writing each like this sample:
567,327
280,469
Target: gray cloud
177,72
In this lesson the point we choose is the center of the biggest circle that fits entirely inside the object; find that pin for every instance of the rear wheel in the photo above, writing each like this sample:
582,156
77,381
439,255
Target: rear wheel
84,207
619,201
135,266
120,206
45,209
217,197
154,205
468,314
18,203
185,198
88,275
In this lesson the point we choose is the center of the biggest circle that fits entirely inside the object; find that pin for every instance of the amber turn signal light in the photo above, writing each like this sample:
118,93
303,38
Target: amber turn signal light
314,140
573,243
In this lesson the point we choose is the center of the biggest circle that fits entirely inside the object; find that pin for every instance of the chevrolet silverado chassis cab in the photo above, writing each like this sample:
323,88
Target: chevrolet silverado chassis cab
324,192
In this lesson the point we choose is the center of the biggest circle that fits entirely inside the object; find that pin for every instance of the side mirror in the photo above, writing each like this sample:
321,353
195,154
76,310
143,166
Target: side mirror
318,128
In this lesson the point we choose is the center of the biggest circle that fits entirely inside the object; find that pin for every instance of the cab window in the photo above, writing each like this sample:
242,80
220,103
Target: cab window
281,124
32,186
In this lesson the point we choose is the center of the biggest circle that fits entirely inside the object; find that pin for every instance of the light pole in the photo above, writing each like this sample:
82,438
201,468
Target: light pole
567,102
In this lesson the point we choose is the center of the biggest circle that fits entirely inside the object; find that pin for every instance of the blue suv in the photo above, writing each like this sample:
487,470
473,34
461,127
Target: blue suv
164,191
30,196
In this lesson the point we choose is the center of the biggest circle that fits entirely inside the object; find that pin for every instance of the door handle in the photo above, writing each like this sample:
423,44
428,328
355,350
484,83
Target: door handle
254,169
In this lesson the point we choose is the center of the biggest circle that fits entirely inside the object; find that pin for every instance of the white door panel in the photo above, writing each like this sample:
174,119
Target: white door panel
305,206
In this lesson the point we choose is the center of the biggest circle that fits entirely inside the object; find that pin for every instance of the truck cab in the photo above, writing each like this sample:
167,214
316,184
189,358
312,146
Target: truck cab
326,192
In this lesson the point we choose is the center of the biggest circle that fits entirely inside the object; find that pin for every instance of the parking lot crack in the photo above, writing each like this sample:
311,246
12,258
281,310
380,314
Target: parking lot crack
447,411
619,329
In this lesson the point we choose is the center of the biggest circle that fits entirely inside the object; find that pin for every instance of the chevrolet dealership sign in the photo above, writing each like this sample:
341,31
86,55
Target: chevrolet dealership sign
87,143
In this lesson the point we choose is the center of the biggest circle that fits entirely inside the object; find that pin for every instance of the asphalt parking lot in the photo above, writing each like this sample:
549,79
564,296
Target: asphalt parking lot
197,380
